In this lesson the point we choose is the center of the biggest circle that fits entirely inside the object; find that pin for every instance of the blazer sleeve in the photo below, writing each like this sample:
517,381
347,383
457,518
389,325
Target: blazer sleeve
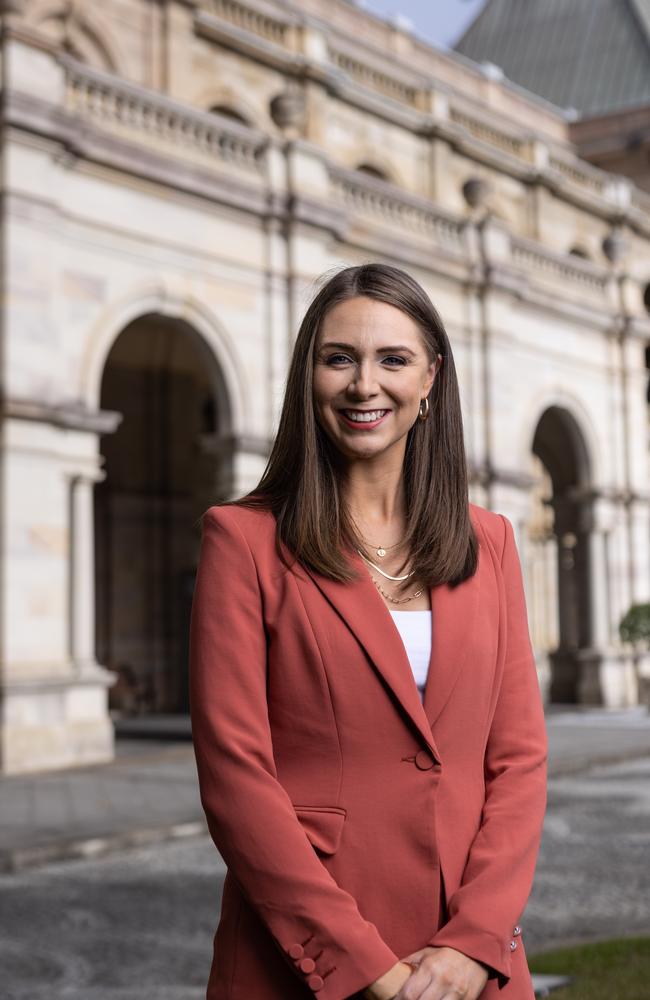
498,876
249,813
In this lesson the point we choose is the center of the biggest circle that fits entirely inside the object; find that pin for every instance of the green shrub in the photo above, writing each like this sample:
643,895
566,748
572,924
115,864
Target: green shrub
634,626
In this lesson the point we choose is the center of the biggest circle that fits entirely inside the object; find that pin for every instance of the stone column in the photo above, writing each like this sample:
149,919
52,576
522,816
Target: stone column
639,520
82,572
53,693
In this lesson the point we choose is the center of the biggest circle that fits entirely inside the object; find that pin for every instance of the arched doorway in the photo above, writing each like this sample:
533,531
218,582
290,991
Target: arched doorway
167,461
560,447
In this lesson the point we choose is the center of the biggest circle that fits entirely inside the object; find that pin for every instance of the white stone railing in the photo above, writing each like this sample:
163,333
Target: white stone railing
579,173
368,74
488,133
387,206
143,116
541,263
253,17
641,201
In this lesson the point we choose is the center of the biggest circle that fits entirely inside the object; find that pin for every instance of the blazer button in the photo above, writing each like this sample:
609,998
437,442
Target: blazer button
315,983
513,945
296,950
306,965
424,760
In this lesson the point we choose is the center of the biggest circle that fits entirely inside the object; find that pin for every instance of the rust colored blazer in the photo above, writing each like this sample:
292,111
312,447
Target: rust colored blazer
359,823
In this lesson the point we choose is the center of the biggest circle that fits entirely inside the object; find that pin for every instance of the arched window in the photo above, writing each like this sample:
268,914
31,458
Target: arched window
230,113
372,171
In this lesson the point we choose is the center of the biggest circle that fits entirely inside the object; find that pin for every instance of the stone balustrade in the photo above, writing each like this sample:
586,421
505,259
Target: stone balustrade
579,173
488,133
253,17
538,262
144,116
641,201
386,205
413,91
369,74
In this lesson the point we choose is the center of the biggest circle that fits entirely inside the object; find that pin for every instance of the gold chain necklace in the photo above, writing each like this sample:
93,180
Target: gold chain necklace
382,571
394,600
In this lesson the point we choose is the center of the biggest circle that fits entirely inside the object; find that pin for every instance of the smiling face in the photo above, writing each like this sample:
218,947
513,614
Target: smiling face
371,370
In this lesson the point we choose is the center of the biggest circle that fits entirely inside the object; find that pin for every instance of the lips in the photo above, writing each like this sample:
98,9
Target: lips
363,419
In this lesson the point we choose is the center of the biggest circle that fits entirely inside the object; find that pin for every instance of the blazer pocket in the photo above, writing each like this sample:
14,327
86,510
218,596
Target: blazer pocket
323,825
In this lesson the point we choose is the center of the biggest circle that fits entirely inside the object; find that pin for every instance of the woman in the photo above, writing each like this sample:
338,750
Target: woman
366,716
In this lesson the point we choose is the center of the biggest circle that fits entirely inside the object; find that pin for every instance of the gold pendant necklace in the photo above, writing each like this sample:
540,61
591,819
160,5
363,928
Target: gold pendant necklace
381,550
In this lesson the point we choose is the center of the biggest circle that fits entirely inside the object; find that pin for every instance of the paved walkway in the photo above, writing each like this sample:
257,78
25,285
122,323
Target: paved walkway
150,791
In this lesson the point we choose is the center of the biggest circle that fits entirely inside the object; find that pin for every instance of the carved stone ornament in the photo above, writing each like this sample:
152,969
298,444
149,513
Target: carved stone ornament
288,109
614,246
476,191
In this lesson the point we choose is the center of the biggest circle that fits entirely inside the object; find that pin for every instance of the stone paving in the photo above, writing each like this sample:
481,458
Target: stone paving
125,924
150,791
593,875
139,924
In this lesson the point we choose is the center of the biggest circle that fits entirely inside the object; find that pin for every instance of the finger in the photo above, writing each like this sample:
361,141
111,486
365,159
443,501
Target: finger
415,957
415,985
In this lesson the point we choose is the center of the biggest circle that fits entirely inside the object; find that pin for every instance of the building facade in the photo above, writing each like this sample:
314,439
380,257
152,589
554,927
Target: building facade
591,57
176,175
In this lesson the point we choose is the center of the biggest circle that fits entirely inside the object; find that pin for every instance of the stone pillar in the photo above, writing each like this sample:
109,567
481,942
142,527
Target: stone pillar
53,693
82,572
639,520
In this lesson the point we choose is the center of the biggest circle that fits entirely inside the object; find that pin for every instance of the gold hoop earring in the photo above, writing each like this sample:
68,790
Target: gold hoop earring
423,415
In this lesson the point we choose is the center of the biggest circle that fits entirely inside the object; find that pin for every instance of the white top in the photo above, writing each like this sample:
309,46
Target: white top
415,630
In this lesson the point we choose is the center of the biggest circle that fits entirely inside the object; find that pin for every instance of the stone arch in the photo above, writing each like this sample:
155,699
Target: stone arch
228,97
171,456
372,162
579,250
560,439
212,336
557,396
84,33
225,111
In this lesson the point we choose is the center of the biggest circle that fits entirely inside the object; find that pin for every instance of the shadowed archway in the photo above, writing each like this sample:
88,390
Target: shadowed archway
170,458
561,449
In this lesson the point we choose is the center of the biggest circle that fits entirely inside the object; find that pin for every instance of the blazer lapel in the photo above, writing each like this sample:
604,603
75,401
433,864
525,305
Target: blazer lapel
364,612
455,612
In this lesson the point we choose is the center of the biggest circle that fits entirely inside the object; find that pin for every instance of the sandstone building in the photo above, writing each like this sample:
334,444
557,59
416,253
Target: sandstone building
175,176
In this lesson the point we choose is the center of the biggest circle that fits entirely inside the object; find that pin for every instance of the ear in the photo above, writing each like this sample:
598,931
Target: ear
432,371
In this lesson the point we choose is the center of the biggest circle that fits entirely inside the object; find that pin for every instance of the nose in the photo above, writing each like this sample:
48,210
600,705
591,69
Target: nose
364,383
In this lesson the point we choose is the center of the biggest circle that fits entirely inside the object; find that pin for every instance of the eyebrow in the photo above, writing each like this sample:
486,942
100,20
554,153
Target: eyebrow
380,350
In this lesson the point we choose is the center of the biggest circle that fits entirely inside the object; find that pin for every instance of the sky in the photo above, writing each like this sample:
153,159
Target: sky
437,21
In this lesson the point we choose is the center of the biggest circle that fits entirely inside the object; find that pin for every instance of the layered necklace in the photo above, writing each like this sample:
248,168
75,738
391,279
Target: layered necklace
381,551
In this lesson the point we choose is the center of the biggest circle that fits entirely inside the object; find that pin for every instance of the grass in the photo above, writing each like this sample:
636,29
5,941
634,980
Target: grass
609,970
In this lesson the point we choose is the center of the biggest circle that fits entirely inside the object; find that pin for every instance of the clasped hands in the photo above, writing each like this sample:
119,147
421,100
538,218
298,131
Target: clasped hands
434,974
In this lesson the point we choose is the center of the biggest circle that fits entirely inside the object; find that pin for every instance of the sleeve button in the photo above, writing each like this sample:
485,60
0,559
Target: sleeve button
307,965
513,945
315,983
517,930
296,951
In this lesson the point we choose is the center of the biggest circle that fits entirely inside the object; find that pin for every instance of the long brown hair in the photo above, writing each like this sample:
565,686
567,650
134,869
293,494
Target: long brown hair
301,481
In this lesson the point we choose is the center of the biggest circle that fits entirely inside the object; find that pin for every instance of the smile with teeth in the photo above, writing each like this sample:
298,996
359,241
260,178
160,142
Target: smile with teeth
364,416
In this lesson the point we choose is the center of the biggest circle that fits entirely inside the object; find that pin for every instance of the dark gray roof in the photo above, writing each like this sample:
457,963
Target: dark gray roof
592,55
